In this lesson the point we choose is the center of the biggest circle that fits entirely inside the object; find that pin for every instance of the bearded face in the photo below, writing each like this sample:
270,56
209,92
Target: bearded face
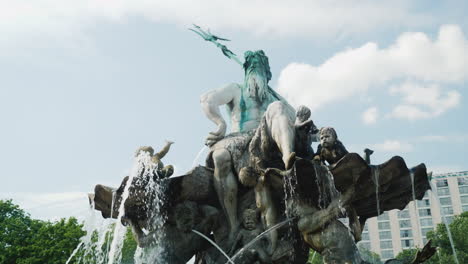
256,83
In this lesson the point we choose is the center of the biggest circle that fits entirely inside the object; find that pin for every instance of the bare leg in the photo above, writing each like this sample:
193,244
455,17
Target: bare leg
267,209
354,224
226,187
280,119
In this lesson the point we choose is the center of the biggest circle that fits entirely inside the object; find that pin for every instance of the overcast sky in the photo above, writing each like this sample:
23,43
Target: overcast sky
85,83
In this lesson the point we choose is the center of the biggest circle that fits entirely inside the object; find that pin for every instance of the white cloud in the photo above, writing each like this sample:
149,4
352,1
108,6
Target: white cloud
431,97
370,116
409,112
272,17
392,146
413,56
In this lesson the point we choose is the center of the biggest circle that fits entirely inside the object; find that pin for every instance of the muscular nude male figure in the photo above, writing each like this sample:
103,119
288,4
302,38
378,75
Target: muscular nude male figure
247,104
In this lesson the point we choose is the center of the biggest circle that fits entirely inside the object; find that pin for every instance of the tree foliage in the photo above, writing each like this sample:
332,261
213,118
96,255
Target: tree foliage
24,240
440,239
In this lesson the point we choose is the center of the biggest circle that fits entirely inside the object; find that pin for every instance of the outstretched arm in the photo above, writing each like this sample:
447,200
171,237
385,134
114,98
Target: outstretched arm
164,150
210,102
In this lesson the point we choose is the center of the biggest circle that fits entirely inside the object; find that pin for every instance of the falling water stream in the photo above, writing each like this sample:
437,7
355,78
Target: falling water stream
74,252
214,244
376,173
280,224
418,227
197,158
436,198
111,214
313,257
142,162
104,238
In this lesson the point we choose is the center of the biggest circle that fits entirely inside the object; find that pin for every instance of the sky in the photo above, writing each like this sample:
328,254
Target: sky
83,84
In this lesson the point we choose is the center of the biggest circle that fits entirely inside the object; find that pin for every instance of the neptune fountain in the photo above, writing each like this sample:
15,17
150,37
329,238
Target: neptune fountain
264,195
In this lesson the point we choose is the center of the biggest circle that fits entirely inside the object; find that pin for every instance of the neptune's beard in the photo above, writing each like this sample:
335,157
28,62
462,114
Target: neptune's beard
256,84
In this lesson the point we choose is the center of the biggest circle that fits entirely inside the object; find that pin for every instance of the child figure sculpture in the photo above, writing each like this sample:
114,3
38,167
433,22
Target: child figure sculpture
161,171
250,231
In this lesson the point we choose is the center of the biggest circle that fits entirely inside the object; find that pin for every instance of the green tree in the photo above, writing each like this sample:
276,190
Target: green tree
314,257
28,241
440,239
459,230
129,247
407,255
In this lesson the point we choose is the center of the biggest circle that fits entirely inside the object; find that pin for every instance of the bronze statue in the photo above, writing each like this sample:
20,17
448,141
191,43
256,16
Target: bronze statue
269,152
161,170
330,149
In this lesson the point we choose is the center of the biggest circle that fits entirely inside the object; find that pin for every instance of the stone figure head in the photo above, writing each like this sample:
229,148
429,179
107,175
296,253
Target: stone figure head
302,114
185,215
249,218
257,74
248,177
328,137
148,149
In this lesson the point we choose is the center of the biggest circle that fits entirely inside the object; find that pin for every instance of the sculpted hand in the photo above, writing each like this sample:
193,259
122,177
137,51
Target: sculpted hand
217,135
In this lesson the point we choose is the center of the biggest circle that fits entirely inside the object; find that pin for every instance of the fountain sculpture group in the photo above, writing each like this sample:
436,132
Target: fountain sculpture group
264,195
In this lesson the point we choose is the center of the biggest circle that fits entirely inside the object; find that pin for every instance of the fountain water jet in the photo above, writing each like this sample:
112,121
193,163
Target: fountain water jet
261,235
141,165
418,227
215,245
444,220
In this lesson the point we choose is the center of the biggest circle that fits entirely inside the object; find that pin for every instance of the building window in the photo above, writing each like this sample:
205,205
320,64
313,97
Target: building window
424,203
463,189
425,212
386,244
426,222
442,183
365,236
406,233
404,213
444,191
407,243
405,223
387,254
464,199
465,208
384,225
447,210
365,228
445,201
425,230
462,181
383,216
385,235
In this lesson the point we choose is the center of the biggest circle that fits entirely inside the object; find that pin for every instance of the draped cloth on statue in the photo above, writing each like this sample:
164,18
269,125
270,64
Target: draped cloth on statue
238,145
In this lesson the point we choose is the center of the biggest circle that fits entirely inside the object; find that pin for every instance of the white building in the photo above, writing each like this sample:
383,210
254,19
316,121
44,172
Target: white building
396,230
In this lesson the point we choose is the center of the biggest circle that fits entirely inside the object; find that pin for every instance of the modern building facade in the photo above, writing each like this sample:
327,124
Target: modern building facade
394,231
